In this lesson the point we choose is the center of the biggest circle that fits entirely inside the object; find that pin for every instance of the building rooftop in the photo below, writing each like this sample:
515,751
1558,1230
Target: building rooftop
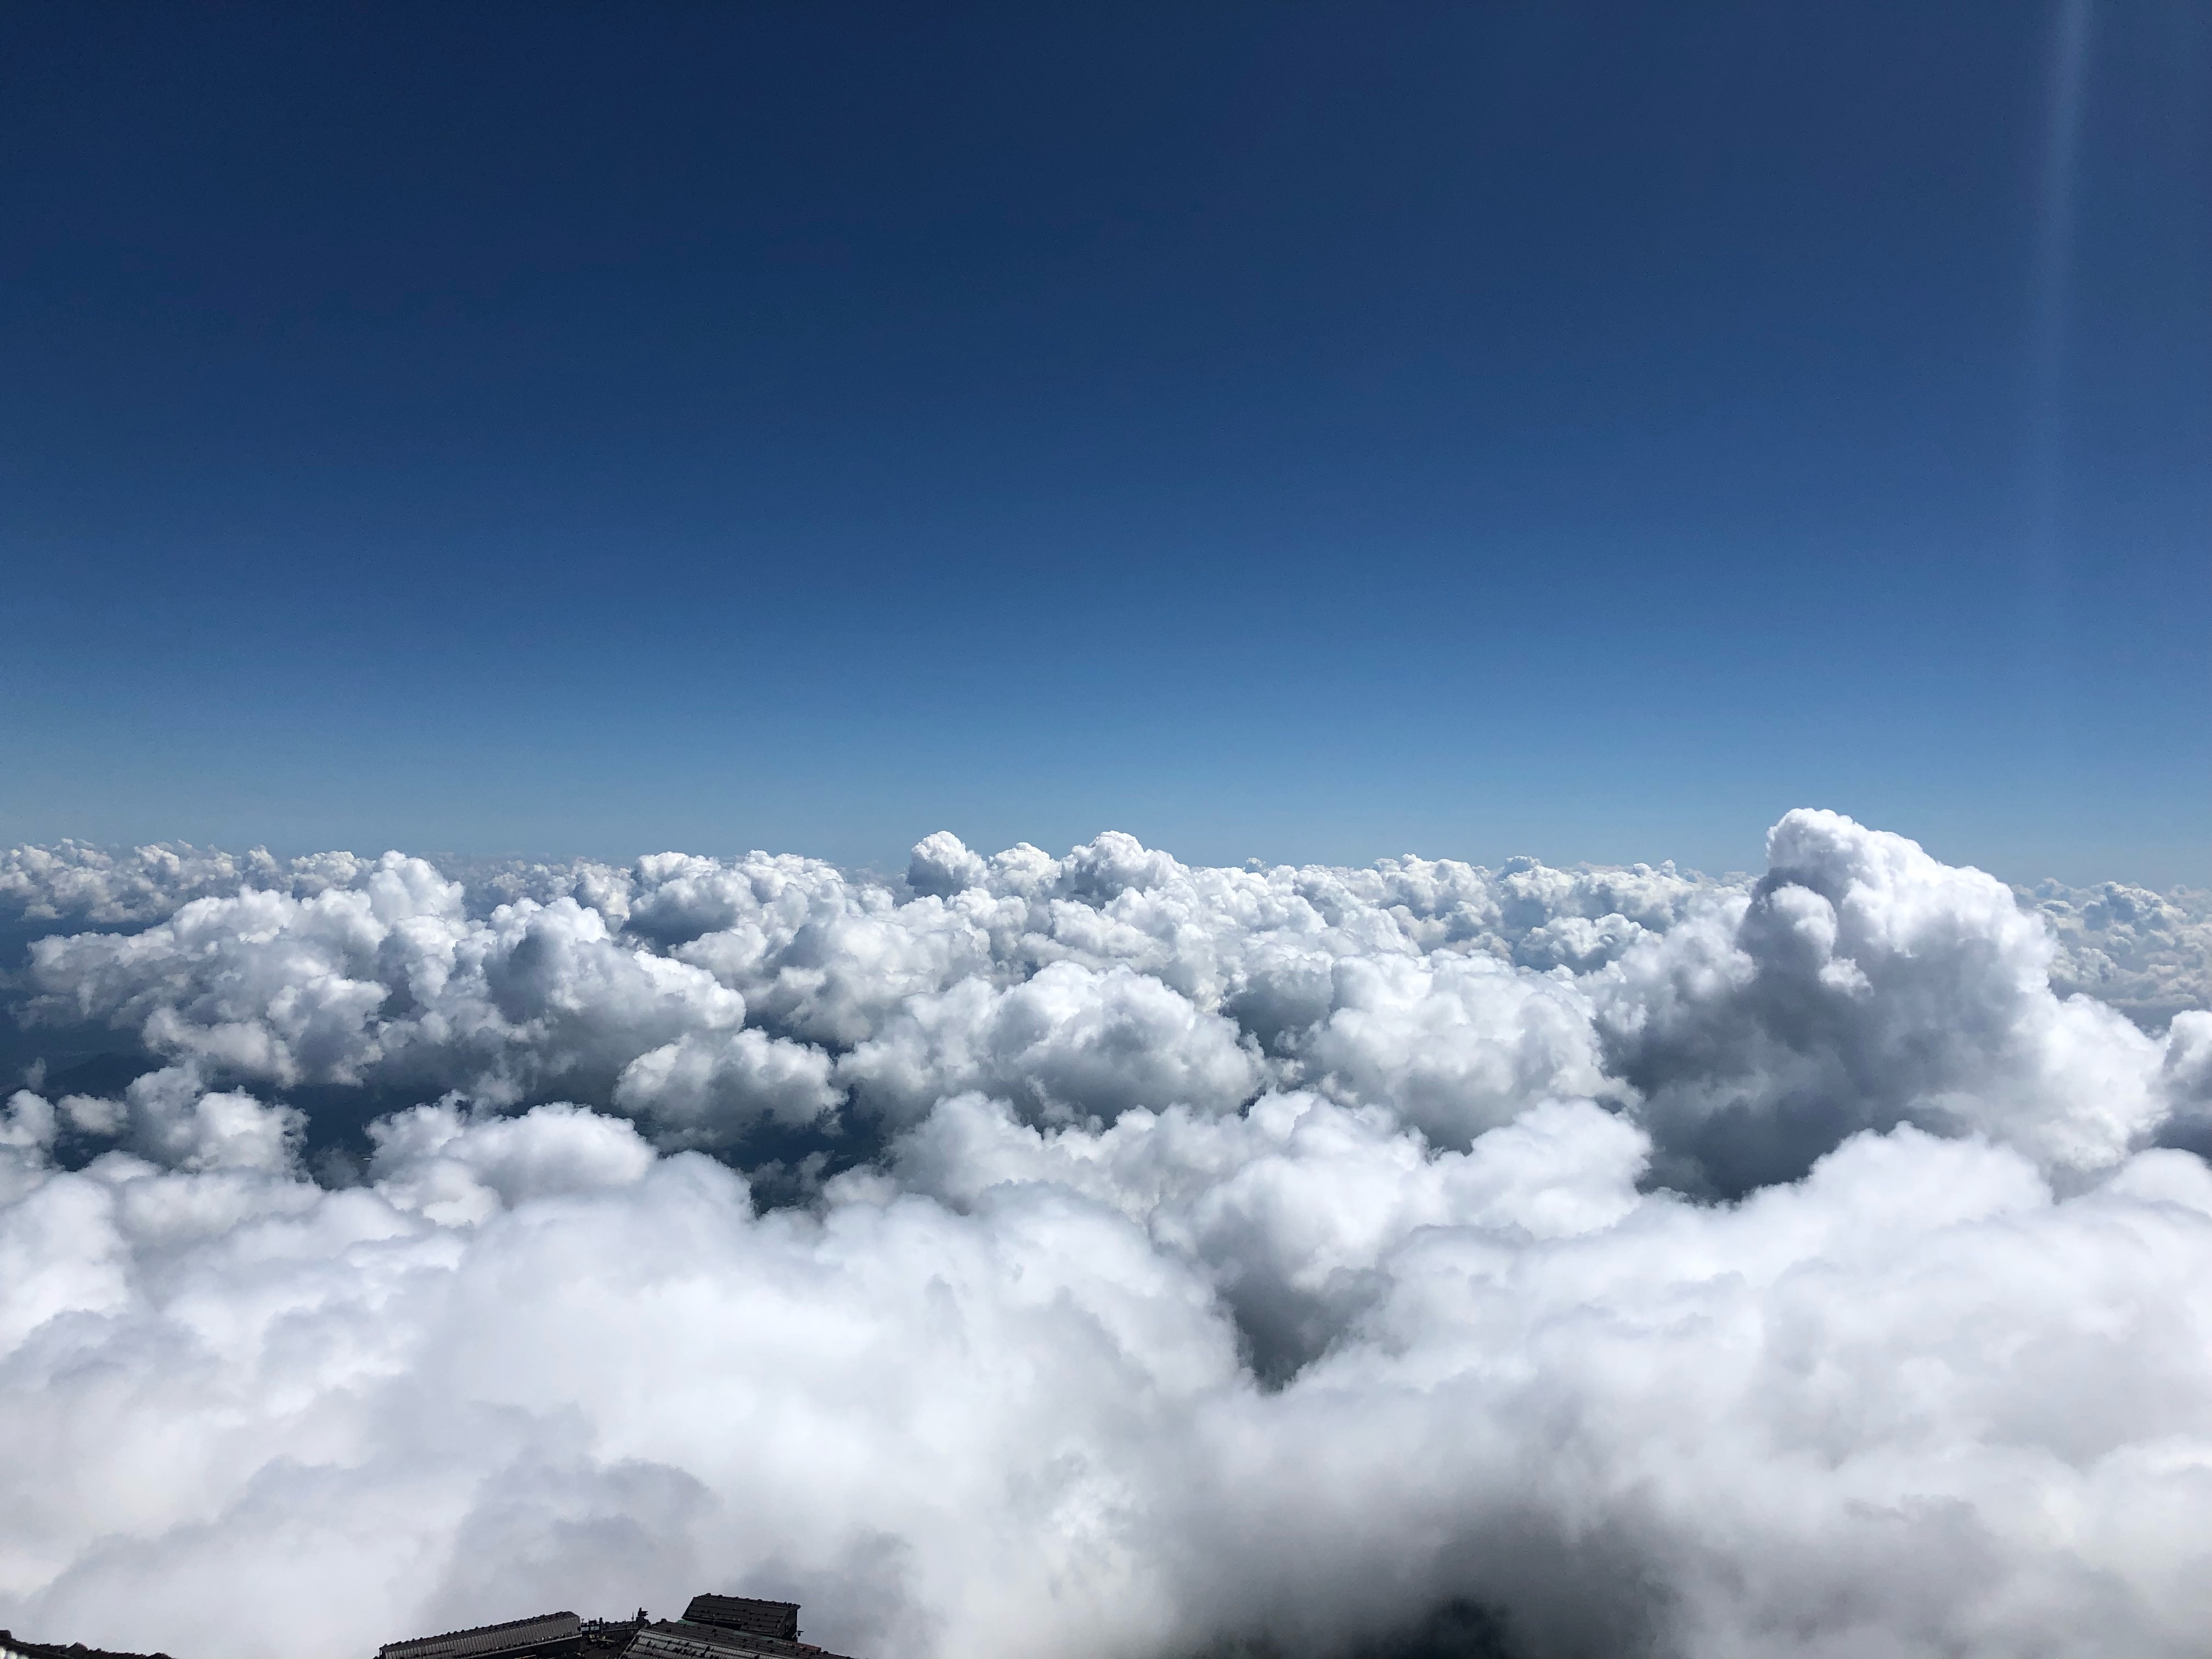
678,1638
742,1613
713,1628
485,1639
13,1646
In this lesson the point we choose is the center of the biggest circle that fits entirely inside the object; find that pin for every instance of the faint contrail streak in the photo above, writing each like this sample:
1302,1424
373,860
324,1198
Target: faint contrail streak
2054,257
2045,657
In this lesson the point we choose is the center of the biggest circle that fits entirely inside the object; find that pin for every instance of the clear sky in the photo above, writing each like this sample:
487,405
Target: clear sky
1291,431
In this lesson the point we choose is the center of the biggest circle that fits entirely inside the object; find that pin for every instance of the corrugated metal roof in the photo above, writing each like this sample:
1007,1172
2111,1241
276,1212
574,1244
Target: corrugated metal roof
757,1618
664,1641
487,1638
681,1640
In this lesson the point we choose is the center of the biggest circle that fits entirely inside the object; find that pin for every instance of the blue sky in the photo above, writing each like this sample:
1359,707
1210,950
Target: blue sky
1299,432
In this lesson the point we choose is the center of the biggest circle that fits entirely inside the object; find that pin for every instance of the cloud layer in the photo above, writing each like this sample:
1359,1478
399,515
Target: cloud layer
1109,1255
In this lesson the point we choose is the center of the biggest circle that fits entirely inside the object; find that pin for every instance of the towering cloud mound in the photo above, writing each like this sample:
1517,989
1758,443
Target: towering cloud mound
1107,1255
1860,985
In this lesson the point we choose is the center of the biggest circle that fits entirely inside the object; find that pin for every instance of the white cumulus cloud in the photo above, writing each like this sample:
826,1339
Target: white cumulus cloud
1107,1255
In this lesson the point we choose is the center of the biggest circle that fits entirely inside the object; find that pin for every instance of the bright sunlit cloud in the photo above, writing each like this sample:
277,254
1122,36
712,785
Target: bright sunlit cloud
1102,1255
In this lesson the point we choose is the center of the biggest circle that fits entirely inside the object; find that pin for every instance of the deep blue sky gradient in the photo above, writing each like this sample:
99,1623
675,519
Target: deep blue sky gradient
1298,431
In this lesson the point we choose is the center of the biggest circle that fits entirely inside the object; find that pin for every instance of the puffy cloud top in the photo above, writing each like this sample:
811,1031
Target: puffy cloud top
1110,1254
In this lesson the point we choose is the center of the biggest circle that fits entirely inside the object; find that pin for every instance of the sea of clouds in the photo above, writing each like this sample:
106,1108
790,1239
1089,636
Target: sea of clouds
1104,1257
